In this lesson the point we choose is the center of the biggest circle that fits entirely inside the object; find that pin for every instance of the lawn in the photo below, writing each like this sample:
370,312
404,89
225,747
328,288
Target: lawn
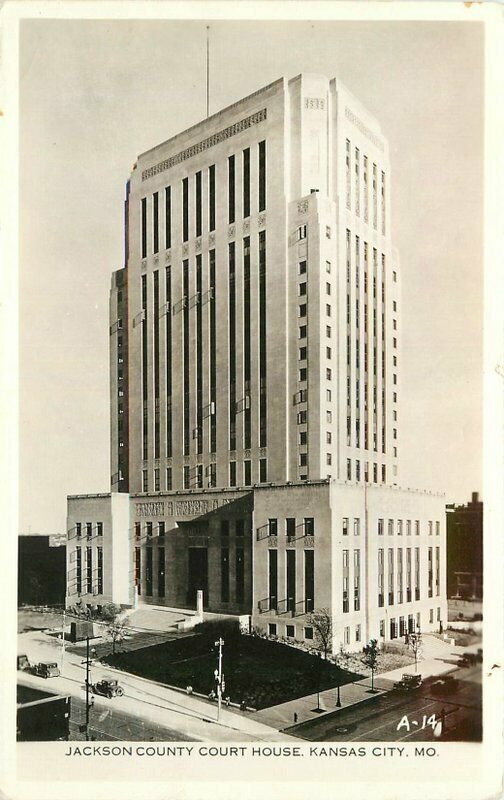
261,672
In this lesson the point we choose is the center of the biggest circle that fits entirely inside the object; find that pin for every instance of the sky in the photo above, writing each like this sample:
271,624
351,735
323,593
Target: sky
95,94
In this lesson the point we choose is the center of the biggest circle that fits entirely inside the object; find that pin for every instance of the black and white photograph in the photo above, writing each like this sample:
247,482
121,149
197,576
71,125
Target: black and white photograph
250,304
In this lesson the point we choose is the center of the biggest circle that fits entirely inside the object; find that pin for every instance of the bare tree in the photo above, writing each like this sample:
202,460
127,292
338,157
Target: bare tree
415,645
321,622
116,632
370,658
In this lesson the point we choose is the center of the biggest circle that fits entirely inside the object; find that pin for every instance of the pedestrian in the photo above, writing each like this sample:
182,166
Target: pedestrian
227,701
243,706
211,696
189,689
295,717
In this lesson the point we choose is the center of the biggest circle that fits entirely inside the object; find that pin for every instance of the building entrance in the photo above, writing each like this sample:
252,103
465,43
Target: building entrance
198,575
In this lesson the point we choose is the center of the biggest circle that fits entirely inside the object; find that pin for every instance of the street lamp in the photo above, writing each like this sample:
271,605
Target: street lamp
219,677
338,699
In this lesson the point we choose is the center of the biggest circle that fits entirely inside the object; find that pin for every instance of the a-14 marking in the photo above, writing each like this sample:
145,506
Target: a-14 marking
431,721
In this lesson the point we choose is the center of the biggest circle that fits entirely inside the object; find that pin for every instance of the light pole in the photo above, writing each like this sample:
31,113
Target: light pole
338,699
219,677
63,641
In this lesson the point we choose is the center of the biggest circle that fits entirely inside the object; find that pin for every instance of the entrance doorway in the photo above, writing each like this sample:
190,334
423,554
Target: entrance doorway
198,575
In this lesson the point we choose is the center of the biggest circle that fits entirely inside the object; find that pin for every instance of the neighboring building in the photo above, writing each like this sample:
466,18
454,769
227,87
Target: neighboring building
41,716
41,569
464,543
255,357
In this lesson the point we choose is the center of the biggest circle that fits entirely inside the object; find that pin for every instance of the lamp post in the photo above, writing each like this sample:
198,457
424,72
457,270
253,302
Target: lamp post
338,699
219,677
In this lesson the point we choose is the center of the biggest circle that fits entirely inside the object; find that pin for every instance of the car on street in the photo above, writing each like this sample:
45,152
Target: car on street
108,688
46,669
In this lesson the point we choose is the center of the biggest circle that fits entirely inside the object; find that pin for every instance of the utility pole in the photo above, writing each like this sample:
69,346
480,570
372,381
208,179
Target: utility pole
219,677
63,641
89,703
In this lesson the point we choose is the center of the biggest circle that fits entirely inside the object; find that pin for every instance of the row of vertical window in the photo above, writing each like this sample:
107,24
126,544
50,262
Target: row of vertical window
403,626
398,593
290,631
292,528
353,601
358,165
399,527
369,473
88,580
297,599
89,529
198,202
201,476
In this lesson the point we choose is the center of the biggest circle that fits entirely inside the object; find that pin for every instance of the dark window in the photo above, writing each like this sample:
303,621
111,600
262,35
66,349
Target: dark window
309,580
232,473
186,355
291,579
263,470
262,176
168,367
185,209
273,578
231,189
161,571
309,526
247,421
155,222
246,182
144,227
168,217
240,575
156,367
99,528
99,552
262,341
247,470
198,203
89,566
211,197
199,358
148,571
225,574
213,355
232,344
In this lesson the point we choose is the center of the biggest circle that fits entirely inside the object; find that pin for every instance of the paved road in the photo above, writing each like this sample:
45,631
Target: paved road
156,705
111,724
398,716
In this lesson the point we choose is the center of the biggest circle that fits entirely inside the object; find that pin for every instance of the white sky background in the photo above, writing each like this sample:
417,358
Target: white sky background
95,94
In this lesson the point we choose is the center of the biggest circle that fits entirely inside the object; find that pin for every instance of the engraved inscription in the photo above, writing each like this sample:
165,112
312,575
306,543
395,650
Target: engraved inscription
187,508
149,509
206,144
317,103
363,128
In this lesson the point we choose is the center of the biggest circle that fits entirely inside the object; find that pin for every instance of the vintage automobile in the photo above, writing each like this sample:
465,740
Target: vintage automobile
445,685
408,682
108,688
46,669
23,663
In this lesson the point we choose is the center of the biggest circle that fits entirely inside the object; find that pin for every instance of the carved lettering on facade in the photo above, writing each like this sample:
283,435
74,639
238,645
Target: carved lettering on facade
150,509
206,144
187,508
302,207
317,103
363,128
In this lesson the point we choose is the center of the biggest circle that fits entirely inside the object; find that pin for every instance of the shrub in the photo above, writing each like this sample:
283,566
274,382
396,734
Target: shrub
211,630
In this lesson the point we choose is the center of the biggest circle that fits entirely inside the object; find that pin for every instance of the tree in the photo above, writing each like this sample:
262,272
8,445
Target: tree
370,658
110,611
116,632
415,645
321,622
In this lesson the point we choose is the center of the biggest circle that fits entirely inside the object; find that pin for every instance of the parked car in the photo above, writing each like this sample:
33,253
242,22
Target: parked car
445,685
46,669
23,663
408,682
108,688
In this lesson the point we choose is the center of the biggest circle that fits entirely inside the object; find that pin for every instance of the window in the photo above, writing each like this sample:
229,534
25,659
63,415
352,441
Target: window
417,527
329,416
346,635
302,353
89,529
232,473
328,437
302,332
356,526
345,526
302,267
430,527
328,459
198,209
263,470
145,480
431,615
289,631
328,395
247,472
328,374
246,182
302,310
144,227
308,633
302,289
272,629
328,310
380,527
78,528
309,526
349,469
231,189
328,331
358,633
157,481
303,459
391,527
185,209
301,232
211,197
399,527
302,417
187,477
262,176
328,352
169,482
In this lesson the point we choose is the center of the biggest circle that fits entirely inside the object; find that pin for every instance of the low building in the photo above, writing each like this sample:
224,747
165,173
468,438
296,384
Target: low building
464,541
372,555
41,716
41,569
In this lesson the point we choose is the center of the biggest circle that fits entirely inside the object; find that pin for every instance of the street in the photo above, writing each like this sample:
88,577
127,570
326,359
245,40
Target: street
398,716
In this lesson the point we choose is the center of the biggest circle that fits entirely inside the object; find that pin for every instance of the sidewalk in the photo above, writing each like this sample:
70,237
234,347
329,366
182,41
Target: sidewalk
195,718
